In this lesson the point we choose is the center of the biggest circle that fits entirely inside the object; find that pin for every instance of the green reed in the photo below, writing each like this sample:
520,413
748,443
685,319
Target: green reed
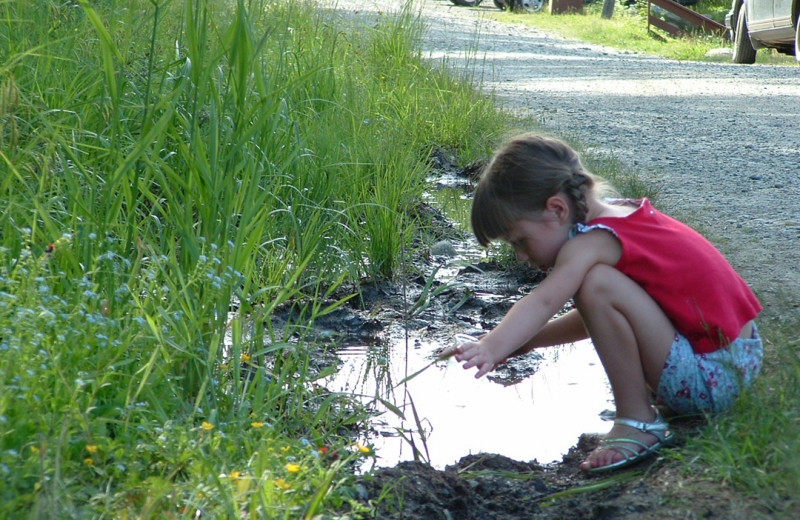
173,173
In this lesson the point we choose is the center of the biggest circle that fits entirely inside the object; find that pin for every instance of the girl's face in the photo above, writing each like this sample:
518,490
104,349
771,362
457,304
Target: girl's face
537,240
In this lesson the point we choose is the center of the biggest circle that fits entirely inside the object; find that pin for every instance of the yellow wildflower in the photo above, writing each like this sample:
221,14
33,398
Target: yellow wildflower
207,426
34,449
282,484
88,461
286,448
363,449
91,448
245,358
257,424
235,475
292,468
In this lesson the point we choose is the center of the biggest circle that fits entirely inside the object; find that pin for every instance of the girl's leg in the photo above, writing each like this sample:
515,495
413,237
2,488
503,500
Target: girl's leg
632,336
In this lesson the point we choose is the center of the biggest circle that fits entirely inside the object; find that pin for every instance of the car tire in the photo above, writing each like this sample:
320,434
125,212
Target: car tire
467,3
743,50
530,6
797,39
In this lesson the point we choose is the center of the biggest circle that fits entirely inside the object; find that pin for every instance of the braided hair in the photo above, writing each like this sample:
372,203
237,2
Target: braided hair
520,178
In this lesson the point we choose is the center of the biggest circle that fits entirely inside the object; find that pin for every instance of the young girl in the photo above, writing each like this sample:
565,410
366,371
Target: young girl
667,314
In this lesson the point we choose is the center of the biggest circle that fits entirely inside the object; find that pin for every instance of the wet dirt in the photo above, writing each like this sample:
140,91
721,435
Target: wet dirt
624,105
489,485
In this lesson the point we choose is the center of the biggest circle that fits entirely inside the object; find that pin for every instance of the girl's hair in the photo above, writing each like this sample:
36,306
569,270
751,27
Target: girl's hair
520,178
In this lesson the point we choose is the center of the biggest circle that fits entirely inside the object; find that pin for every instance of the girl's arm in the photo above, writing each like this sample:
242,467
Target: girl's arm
528,317
568,328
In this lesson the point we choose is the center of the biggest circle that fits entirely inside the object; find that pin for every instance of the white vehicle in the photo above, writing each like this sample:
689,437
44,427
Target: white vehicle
755,24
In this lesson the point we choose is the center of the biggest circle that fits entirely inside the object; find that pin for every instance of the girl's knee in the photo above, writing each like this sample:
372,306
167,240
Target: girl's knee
599,283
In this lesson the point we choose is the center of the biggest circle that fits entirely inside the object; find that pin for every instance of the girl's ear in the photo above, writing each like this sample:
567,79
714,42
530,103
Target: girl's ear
558,206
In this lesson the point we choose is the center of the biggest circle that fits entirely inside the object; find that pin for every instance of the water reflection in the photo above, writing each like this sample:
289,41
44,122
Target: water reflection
450,414
447,413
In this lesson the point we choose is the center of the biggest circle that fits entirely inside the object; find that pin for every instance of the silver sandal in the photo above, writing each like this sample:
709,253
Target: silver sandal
658,428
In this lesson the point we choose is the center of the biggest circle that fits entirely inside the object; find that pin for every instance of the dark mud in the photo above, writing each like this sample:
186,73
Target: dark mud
494,487
490,486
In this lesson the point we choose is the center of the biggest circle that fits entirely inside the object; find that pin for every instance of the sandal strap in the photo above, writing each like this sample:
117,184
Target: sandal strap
619,444
658,427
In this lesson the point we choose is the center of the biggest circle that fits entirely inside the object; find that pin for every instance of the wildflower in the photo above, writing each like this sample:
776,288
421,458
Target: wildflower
235,475
282,484
34,449
327,454
257,424
363,449
286,448
207,426
91,448
245,358
88,461
292,467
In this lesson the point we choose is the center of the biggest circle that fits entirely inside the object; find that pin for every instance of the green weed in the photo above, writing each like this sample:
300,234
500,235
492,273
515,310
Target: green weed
173,174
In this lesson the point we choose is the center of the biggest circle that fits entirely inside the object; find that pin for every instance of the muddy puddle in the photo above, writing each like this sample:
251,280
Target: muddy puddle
447,413
534,407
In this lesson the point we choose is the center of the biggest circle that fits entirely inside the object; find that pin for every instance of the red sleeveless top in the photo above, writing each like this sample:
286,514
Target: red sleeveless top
704,297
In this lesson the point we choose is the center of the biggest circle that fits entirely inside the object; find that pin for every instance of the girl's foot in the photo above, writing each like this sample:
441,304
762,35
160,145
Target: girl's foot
628,441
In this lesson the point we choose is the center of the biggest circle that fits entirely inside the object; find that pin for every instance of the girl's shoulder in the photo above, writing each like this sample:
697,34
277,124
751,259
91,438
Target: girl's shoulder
617,201
580,229
623,207
614,210
617,208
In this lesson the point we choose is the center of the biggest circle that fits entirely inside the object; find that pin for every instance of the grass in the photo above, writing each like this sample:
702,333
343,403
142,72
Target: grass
627,30
755,446
172,174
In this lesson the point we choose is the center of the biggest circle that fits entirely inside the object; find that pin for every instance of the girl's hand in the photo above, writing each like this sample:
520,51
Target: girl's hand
476,354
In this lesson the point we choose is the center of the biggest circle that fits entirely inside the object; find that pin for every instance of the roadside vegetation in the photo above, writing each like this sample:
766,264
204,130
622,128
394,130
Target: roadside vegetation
627,30
171,174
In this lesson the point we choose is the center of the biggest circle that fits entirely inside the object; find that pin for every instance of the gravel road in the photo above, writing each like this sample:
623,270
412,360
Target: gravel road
721,142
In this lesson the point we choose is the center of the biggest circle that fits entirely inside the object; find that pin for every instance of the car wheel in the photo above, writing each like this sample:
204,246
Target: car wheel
467,3
743,50
797,39
530,6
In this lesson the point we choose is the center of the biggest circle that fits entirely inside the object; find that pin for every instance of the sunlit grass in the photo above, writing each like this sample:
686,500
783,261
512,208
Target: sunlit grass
172,174
627,30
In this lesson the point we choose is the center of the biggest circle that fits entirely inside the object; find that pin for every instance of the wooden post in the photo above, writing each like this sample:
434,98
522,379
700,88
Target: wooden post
608,9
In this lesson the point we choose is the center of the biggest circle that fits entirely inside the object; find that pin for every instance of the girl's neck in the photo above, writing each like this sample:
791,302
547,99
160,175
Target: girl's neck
596,208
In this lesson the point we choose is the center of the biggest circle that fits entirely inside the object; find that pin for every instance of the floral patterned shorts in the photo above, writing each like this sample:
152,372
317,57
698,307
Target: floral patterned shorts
708,383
